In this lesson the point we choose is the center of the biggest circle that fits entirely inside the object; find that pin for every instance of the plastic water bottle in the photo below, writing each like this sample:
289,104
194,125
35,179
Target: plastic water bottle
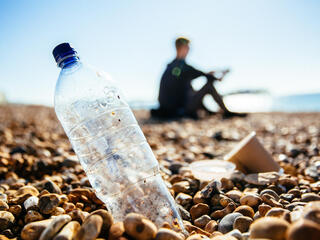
109,144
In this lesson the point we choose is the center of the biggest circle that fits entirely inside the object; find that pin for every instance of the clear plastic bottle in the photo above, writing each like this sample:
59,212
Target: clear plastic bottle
110,145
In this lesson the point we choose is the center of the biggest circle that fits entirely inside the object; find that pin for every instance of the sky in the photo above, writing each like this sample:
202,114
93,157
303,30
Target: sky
267,44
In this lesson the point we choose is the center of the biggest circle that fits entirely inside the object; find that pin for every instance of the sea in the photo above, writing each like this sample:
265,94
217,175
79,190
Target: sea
255,102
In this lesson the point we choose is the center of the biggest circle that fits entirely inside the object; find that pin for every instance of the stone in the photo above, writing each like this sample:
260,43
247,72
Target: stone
68,231
202,221
116,231
242,223
276,212
309,197
198,210
3,206
54,227
32,231
226,223
51,187
213,187
269,227
22,194
107,220
198,198
139,227
270,192
6,220
221,213
234,233
185,215
223,237
304,229
211,226
312,212
269,199
15,209
251,200
198,237
262,179
288,182
48,203
31,203
32,216
183,186
168,234
235,195
245,211
90,228
184,200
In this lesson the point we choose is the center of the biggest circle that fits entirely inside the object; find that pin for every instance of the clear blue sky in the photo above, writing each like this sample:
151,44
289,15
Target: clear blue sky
270,44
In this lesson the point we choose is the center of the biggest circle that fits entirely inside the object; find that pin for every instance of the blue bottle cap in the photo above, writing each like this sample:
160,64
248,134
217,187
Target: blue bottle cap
63,51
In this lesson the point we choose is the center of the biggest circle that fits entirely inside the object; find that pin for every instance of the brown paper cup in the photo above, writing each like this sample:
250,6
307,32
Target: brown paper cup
251,157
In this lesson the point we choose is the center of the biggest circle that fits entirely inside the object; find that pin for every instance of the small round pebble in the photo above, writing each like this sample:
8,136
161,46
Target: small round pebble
242,223
226,223
167,234
138,227
269,227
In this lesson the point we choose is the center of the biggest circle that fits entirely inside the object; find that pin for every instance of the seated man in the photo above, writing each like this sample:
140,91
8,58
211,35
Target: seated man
177,97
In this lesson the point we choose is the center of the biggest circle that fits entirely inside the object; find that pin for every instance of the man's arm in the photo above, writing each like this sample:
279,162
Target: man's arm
192,73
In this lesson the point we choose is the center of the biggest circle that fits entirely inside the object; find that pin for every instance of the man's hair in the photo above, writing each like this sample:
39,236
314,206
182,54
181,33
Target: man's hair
180,41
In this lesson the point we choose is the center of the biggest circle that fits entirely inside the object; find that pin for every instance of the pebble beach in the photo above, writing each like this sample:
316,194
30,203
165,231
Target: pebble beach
45,194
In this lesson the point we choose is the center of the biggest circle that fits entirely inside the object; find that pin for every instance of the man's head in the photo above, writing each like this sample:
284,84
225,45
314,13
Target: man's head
182,47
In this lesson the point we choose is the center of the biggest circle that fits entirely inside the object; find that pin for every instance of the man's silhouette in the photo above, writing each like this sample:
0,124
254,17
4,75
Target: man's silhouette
177,97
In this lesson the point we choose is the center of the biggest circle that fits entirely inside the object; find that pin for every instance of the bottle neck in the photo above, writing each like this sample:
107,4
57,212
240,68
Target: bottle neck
69,61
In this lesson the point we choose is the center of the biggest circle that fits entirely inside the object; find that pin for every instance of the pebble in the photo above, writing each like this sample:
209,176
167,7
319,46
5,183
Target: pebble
116,231
48,203
185,215
15,209
269,199
107,220
226,223
167,234
138,227
308,197
235,195
90,229
22,194
3,206
68,231
6,220
221,213
235,233
269,227
184,200
224,237
242,223
270,192
198,237
304,229
33,216
51,187
54,227
198,210
245,211
202,221
262,179
276,212
32,231
182,187
251,200
211,226
31,203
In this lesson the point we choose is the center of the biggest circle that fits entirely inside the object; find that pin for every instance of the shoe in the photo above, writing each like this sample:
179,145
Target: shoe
227,115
